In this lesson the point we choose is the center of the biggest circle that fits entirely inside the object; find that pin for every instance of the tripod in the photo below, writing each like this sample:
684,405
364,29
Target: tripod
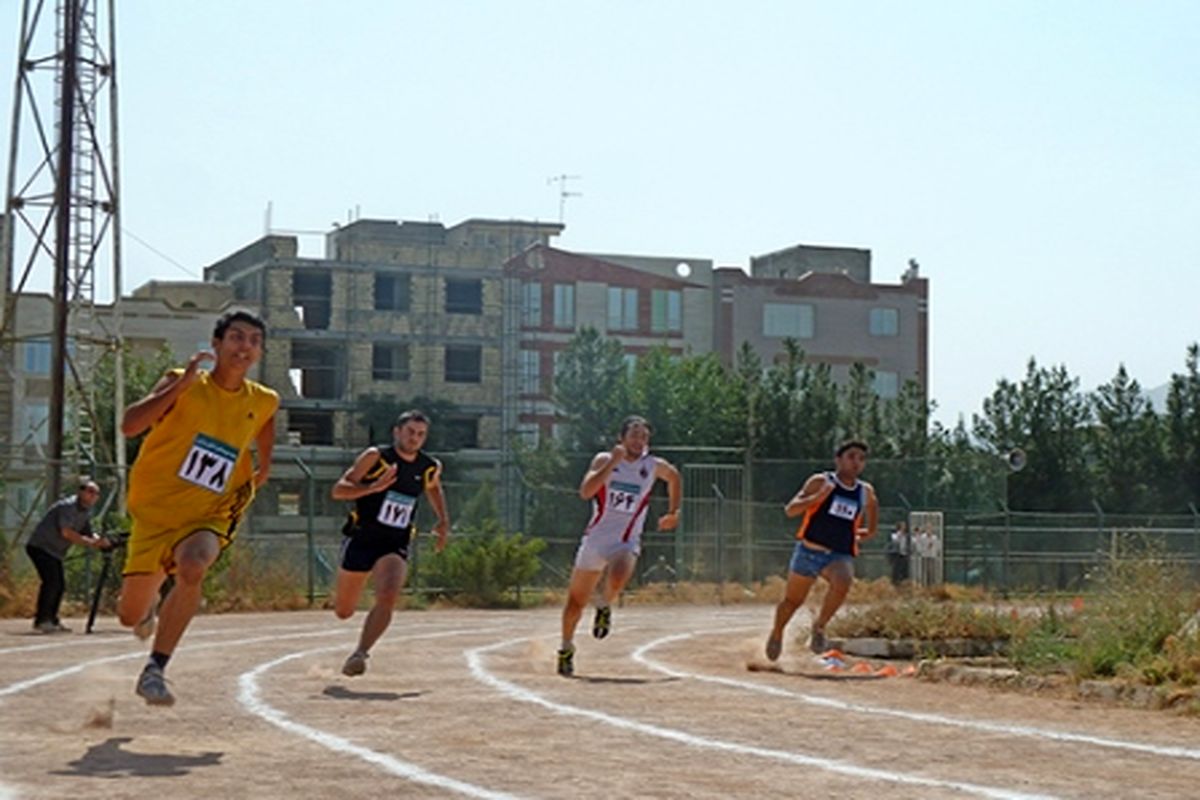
106,568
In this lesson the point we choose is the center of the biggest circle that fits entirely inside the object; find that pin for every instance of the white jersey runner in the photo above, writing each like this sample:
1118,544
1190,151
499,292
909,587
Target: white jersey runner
619,508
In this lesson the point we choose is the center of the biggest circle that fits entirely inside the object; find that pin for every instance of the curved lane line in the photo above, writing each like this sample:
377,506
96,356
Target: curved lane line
475,662
639,655
47,677
89,641
250,696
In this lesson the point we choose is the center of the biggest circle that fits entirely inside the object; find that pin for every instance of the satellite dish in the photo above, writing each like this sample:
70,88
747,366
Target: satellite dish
1016,459
683,269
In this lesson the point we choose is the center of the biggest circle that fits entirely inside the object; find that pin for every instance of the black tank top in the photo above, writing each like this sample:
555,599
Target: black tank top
390,512
833,522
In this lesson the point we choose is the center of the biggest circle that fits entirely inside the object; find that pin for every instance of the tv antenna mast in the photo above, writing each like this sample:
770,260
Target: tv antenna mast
61,208
563,193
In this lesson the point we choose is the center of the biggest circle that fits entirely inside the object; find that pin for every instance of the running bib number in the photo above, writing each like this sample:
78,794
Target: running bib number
209,464
397,510
844,508
624,496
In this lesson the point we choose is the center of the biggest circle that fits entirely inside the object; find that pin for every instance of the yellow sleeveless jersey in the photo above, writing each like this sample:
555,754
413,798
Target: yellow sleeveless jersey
195,462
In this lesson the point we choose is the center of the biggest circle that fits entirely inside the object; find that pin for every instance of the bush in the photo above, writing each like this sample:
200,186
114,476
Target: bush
484,568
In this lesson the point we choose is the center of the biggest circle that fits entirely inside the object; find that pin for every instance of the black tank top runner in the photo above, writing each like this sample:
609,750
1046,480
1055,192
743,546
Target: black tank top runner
390,512
832,523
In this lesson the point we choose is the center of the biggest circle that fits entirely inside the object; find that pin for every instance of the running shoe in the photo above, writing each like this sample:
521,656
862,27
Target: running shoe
602,624
152,686
355,665
566,662
774,648
816,641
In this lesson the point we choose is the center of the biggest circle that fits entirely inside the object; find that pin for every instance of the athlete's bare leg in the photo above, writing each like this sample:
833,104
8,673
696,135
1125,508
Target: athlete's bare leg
583,582
794,596
193,556
388,579
139,593
620,570
839,574
347,589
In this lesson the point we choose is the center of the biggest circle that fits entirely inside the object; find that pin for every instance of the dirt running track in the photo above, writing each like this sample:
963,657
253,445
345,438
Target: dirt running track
462,703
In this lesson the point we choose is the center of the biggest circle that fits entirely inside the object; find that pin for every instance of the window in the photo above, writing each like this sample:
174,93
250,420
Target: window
37,356
389,362
666,310
321,370
463,363
393,291
885,322
564,305
530,371
622,309
464,297
459,432
289,504
314,427
531,304
782,320
887,384
312,298
34,427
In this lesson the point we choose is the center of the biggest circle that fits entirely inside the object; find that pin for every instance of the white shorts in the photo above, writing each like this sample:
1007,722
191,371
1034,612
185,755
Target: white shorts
595,553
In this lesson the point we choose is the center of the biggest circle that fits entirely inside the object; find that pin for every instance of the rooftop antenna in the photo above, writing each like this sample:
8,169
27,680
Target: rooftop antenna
563,193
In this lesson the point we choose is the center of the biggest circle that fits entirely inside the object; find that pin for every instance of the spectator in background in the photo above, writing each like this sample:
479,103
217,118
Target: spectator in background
67,522
899,546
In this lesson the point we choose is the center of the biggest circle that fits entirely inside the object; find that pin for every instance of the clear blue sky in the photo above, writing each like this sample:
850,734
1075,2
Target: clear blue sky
1041,160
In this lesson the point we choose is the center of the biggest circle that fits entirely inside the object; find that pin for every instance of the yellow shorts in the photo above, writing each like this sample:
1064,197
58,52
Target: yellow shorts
151,548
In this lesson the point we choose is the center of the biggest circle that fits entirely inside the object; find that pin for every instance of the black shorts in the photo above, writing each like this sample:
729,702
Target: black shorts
364,548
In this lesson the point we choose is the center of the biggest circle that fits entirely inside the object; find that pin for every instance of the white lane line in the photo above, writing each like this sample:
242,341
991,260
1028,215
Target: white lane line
89,640
250,696
47,677
640,656
475,662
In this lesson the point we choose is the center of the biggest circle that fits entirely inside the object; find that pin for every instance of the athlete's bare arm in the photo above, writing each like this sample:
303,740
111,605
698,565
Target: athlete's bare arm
872,517
814,491
665,471
138,417
349,486
265,441
601,467
437,499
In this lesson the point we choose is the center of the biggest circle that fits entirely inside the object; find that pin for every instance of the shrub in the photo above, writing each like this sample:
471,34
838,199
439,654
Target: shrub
484,568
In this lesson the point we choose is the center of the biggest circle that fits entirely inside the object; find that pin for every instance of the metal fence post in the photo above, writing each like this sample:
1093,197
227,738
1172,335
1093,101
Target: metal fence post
310,500
1004,575
1195,538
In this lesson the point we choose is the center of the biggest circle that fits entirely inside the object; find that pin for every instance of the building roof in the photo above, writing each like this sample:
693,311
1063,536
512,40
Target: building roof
549,263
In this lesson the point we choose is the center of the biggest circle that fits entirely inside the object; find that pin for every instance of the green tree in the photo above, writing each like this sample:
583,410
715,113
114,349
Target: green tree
1047,416
1183,431
860,415
591,387
141,372
1128,446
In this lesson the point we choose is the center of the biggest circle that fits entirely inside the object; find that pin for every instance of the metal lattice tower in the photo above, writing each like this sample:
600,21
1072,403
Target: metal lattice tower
61,206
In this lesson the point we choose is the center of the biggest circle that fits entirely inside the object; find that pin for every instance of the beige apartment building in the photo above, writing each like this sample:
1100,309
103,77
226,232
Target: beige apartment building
824,298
